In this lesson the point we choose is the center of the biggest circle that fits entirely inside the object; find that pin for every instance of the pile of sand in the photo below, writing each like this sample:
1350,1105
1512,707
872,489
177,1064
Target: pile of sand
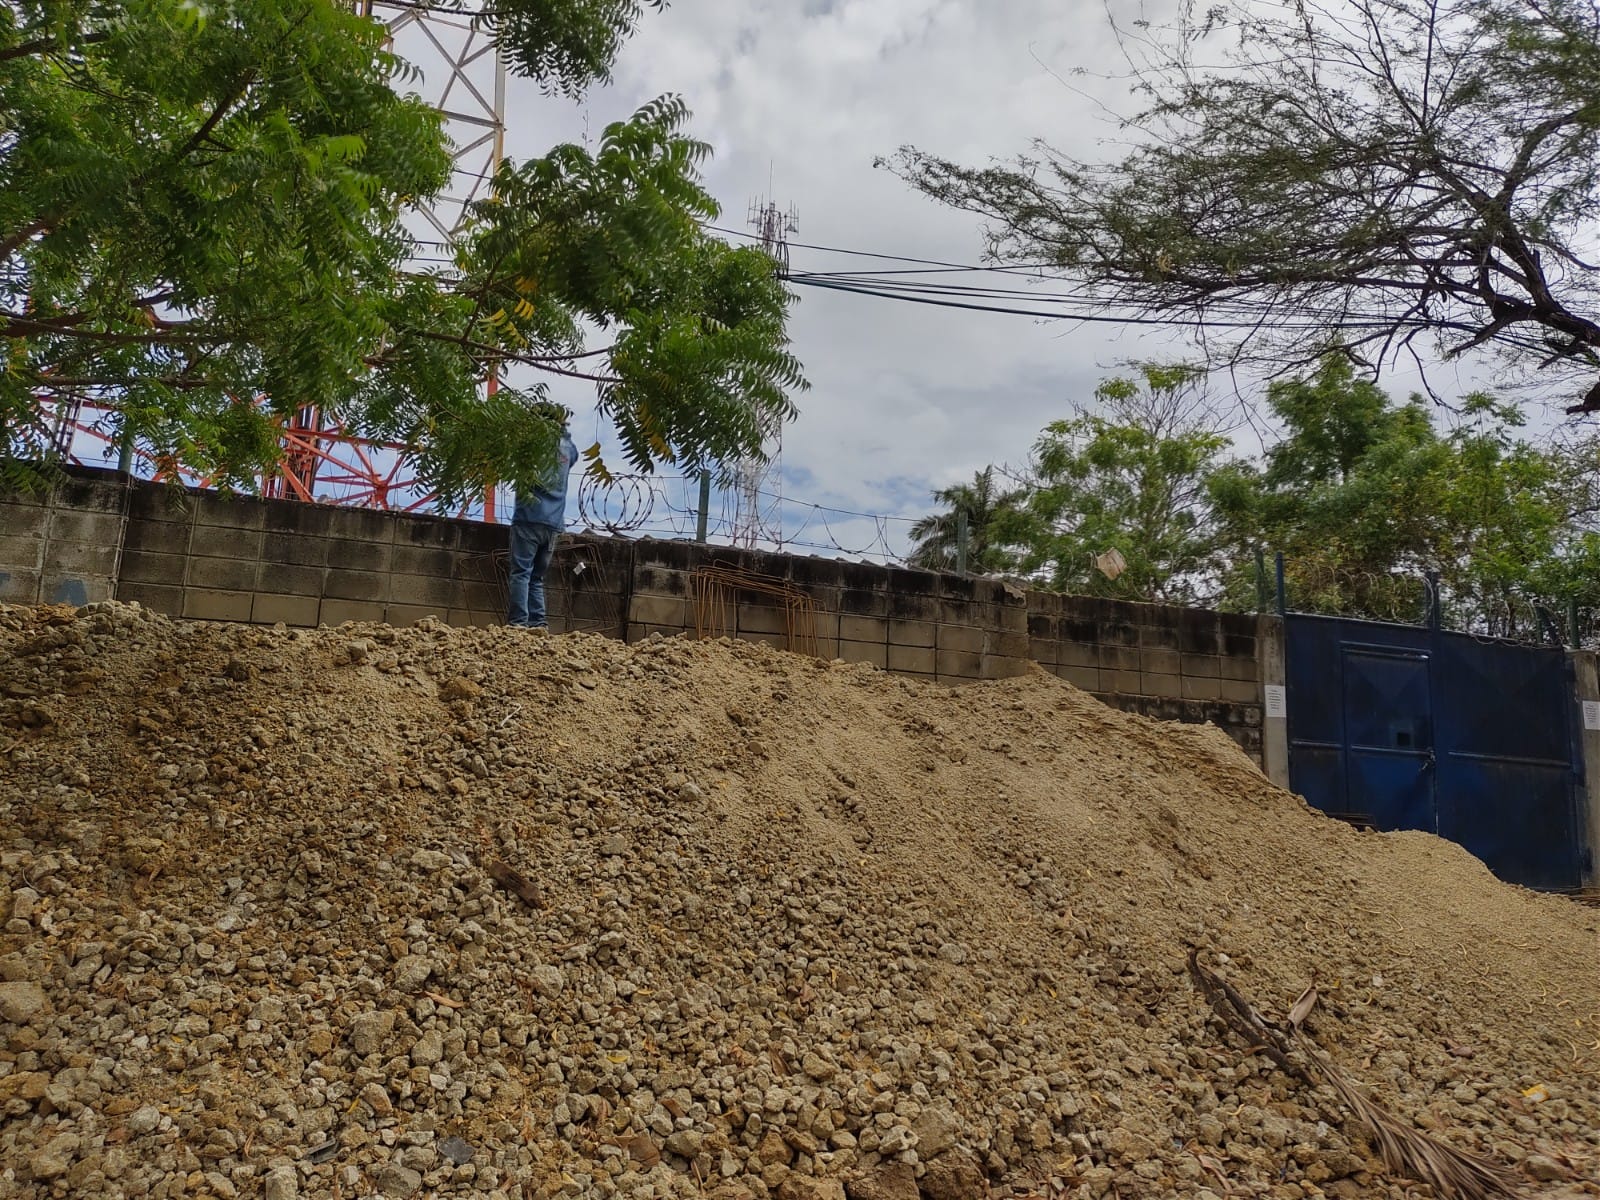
426,911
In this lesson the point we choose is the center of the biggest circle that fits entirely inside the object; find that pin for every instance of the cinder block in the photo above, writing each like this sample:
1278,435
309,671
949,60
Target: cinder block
73,558
233,512
159,597
68,587
223,574
1082,654
291,610
21,550
289,581
1087,678
825,626
1119,658
658,610
974,612
760,618
874,653
91,490
1120,683
24,520
363,525
224,542
366,586
1241,691
301,550
421,560
1118,633
1239,668
913,659
1201,666
94,528
1012,643
1158,636
958,664
661,581
164,537
360,556
961,638
1157,683
1153,661
337,612
905,607
998,667
203,605
911,633
19,585
1200,687
863,629
864,601
146,566
1043,651
432,591
827,648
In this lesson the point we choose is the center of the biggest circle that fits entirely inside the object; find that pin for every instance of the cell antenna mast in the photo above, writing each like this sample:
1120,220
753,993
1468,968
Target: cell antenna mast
758,513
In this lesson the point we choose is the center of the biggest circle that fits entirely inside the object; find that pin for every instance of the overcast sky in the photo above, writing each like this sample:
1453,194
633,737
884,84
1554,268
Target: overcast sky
797,98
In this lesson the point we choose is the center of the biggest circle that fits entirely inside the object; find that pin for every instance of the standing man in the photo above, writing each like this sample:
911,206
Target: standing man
536,525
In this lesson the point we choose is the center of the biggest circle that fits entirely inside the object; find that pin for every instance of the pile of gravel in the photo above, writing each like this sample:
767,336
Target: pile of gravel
438,912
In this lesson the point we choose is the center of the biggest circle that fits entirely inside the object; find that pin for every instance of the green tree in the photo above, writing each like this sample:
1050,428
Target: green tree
988,509
1362,174
1348,494
203,227
1131,478
1364,495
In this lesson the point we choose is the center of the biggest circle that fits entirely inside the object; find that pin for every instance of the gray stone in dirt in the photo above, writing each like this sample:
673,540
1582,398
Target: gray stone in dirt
428,1049
897,1139
937,1130
55,1158
1544,1168
953,952
398,1182
411,972
144,1120
892,1181
456,1150
547,980
21,1001
369,1030
955,1175
281,1184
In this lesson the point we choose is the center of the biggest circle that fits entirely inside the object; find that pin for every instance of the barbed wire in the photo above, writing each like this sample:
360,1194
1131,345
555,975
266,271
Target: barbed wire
666,506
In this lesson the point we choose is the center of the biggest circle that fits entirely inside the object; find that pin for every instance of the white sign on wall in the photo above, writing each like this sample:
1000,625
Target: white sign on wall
1591,714
1277,700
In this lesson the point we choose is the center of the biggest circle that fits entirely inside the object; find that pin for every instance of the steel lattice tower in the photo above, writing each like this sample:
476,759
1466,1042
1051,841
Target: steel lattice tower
753,475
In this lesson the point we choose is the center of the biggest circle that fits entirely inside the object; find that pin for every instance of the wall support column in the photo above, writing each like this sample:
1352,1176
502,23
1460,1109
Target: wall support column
1273,663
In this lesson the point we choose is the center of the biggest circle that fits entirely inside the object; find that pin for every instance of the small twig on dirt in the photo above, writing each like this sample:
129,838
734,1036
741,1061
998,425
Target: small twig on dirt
1453,1174
515,882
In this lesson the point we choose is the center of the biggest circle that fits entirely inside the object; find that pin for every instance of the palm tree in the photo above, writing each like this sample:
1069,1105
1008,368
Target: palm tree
937,534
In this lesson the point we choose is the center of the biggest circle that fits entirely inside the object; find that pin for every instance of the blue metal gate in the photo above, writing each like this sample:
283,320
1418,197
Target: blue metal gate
1402,727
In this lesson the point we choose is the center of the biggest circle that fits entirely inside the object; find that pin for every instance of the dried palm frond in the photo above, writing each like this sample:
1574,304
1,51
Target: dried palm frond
1453,1174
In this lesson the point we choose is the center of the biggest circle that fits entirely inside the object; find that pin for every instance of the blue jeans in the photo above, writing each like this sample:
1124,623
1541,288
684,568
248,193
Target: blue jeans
532,547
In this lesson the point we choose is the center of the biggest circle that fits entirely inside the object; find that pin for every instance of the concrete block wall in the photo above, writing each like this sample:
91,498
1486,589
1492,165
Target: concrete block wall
1179,664
912,622
209,557
62,545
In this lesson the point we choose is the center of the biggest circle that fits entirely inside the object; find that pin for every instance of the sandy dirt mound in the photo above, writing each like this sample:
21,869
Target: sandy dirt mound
481,913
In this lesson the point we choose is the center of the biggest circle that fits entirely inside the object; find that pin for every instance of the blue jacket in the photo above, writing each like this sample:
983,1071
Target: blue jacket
547,505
